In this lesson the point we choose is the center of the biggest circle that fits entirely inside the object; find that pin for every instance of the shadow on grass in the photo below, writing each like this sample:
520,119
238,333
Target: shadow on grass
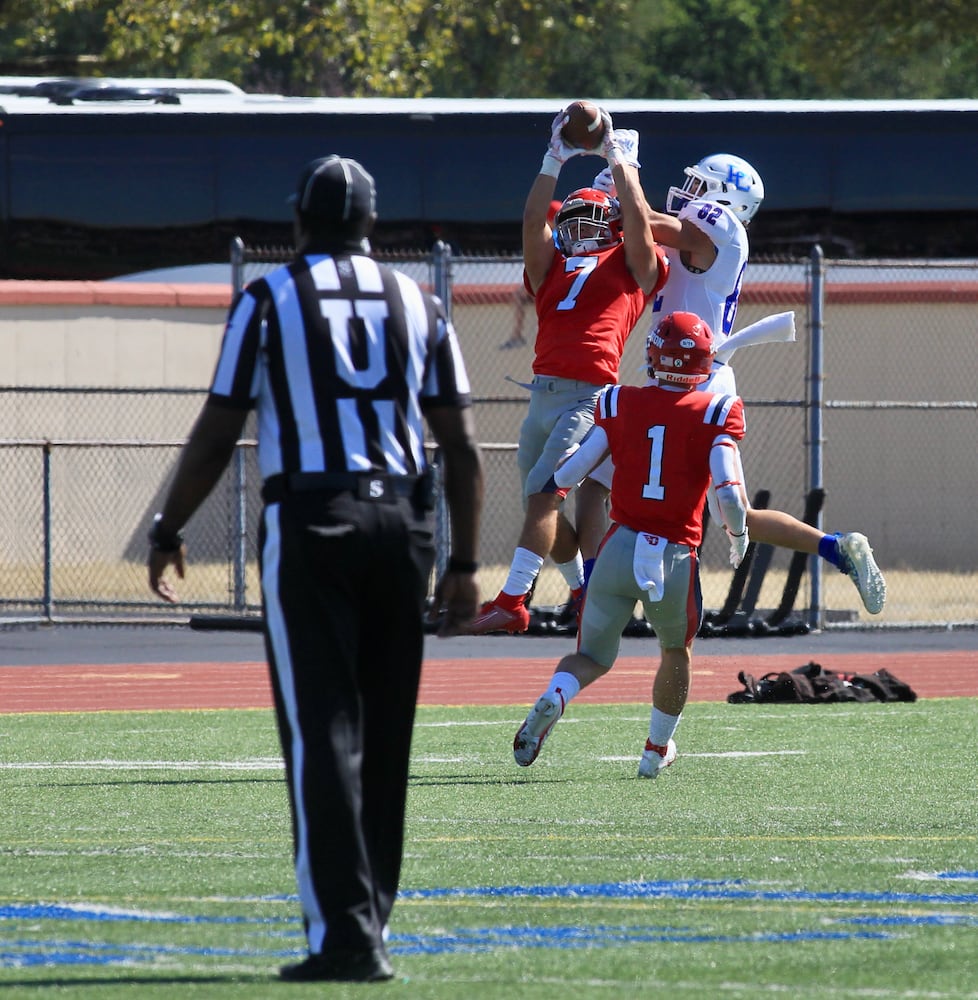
279,779
65,982
468,779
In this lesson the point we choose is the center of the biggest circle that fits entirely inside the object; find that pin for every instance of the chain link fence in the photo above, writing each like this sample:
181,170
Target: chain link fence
865,423
80,500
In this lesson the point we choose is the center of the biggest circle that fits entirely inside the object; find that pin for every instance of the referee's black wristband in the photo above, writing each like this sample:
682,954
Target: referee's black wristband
161,541
461,565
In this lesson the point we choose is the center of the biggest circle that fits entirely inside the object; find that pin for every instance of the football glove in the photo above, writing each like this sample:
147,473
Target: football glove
605,182
620,146
738,546
558,152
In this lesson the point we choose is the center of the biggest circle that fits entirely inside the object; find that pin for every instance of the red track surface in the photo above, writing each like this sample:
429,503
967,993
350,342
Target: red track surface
135,687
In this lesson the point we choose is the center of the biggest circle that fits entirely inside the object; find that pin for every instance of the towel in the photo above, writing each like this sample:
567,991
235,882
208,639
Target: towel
647,564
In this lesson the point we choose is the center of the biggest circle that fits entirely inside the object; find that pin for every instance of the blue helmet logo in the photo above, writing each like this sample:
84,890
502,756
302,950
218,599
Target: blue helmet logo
738,178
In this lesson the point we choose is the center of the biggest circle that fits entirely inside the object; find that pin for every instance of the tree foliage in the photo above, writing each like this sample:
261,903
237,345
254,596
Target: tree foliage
355,48
887,48
511,48
36,35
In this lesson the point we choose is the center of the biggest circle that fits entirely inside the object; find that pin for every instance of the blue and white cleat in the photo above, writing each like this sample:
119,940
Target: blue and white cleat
858,562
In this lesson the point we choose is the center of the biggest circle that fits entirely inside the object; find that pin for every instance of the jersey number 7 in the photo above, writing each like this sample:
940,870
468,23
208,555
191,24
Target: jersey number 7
583,266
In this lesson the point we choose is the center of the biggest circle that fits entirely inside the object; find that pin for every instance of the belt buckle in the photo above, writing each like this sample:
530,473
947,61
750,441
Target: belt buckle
373,487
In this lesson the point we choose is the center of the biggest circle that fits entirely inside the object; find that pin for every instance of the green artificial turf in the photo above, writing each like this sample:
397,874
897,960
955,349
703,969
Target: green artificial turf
797,851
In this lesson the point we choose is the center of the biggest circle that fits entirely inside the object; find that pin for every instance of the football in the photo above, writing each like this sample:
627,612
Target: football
583,128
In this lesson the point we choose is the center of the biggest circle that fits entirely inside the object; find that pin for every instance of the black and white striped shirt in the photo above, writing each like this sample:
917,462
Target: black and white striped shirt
341,356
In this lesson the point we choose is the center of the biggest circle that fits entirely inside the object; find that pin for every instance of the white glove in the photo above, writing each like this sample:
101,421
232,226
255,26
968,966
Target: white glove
558,152
620,145
605,182
738,546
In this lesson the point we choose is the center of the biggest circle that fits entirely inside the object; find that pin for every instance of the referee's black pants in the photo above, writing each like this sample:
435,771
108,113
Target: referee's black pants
344,582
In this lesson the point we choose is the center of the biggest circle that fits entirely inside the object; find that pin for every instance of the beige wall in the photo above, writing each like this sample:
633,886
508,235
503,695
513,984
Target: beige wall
109,334
907,478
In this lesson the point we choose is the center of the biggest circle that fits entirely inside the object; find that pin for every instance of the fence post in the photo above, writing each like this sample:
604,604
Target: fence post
815,411
441,263
237,265
48,598
443,527
240,534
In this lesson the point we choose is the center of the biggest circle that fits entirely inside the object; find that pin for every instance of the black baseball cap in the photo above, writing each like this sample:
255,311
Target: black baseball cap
338,190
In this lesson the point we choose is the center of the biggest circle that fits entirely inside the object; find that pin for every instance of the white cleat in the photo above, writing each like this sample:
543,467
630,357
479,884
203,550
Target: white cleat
656,759
529,738
858,562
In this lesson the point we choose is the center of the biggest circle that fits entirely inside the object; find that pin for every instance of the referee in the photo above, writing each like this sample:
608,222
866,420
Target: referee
341,356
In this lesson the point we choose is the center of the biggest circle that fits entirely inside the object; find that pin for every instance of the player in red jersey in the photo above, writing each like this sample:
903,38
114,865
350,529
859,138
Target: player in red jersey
591,276
704,230
666,441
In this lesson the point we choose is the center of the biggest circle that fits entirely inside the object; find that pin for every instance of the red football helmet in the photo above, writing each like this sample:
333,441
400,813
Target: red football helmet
587,222
680,350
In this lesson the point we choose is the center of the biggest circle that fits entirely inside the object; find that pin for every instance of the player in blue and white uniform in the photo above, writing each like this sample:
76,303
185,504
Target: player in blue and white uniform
704,230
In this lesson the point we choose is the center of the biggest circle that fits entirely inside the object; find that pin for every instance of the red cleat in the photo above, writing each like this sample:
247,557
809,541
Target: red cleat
494,617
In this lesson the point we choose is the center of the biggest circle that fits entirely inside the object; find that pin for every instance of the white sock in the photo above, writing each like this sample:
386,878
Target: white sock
662,727
563,685
573,572
523,570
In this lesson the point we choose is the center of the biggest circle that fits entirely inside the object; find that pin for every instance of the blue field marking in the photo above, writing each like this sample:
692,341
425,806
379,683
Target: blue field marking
473,940
26,954
25,951
917,920
52,952
734,889
47,911
612,890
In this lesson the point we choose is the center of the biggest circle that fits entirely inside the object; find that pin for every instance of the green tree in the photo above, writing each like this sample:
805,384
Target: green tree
887,48
532,48
644,49
352,48
355,48
725,49
52,37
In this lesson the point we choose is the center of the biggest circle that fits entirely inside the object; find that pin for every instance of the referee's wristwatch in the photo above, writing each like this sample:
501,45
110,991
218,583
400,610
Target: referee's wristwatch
164,541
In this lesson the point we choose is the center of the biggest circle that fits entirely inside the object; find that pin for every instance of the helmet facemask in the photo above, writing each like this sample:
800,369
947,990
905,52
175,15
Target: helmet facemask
724,179
588,221
695,186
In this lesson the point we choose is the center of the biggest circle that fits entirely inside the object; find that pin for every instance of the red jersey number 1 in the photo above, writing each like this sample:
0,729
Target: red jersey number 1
653,489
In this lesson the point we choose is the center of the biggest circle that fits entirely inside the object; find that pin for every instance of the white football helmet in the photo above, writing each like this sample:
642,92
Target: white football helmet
722,178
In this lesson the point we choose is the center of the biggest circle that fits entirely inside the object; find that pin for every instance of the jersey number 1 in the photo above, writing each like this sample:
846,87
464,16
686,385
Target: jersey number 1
653,489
